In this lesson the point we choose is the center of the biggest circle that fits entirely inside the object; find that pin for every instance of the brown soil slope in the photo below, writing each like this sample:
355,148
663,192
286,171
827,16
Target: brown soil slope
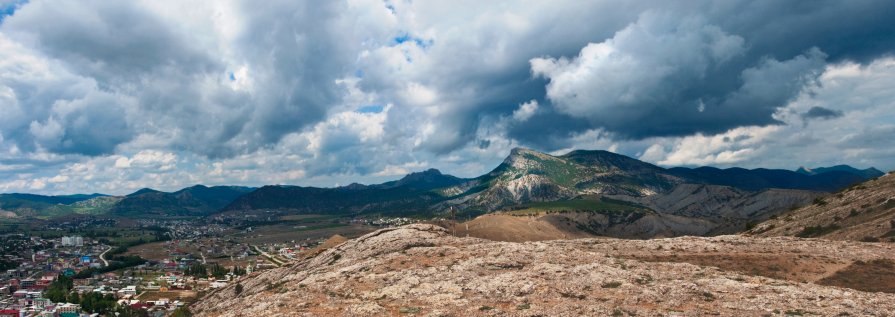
421,270
574,224
502,227
862,212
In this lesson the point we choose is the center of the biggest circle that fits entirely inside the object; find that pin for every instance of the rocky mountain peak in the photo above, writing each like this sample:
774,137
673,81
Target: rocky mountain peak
522,158
428,179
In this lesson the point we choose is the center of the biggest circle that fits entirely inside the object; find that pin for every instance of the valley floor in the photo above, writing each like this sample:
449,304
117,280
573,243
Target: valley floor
422,270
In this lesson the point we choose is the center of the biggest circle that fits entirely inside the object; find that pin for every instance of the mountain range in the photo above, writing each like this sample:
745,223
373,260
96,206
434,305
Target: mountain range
527,176
197,200
866,173
580,180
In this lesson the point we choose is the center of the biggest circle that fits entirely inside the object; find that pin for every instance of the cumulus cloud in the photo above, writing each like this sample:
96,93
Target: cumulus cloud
624,86
857,127
525,111
122,95
148,159
47,107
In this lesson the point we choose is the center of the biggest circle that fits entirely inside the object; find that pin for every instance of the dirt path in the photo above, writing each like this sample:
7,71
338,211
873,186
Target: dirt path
102,256
266,255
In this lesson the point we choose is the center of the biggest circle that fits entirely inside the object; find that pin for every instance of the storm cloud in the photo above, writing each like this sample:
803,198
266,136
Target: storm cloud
240,92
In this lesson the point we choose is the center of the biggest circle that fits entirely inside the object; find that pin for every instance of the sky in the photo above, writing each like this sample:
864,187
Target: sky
113,96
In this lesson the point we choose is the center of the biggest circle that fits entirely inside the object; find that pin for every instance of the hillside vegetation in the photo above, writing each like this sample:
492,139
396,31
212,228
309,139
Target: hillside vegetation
862,212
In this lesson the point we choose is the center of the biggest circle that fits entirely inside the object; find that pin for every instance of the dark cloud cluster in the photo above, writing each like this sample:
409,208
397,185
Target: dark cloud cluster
364,88
662,75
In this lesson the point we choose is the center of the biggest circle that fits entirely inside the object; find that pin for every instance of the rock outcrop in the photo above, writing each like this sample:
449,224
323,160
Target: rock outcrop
421,270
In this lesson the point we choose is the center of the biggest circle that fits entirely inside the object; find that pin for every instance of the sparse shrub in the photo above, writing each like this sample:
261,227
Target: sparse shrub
486,308
869,239
612,284
890,203
820,201
817,231
336,257
238,289
884,263
708,296
523,306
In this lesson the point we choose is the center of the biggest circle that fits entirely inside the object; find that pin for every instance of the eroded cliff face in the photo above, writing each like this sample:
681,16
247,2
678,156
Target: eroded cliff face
422,270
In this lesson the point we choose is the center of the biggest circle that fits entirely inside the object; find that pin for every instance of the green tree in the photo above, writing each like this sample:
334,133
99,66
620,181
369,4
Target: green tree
58,291
218,271
197,270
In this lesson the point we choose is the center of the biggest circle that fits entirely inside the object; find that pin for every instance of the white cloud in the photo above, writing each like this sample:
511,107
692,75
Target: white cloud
861,136
116,96
525,111
148,160
624,76
58,179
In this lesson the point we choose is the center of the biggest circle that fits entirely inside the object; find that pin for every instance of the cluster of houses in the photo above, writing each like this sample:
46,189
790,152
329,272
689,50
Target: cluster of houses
39,261
391,222
26,297
28,303
22,289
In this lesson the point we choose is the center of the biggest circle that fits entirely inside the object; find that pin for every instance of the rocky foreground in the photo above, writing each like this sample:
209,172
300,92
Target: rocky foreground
421,270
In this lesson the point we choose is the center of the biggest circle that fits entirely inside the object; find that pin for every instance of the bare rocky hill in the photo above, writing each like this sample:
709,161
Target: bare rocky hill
580,224
421,270
861,212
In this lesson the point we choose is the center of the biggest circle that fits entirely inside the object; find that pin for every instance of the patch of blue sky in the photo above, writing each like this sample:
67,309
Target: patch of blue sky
422,43
374,108
232,76
9,9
